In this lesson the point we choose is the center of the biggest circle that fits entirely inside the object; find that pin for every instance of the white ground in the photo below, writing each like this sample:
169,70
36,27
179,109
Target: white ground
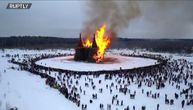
121,62
28,92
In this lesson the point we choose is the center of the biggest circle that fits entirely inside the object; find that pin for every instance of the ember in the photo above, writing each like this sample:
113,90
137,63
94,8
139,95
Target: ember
93,51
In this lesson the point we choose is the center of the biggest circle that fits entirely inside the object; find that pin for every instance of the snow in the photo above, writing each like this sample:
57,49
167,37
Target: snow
27,91
121,62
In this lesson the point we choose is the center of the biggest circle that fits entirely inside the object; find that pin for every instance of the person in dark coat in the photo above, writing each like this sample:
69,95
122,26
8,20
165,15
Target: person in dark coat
157,106
183,102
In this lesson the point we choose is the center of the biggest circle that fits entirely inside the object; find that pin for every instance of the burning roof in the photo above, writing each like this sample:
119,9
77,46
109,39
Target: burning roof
93,50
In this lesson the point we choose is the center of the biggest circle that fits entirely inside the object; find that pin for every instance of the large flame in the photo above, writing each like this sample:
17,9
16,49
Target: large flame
102,41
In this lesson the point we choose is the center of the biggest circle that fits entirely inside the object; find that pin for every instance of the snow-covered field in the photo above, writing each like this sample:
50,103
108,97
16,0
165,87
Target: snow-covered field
121,62
27,91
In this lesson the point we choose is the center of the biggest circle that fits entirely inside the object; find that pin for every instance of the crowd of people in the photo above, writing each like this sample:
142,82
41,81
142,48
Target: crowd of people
173,72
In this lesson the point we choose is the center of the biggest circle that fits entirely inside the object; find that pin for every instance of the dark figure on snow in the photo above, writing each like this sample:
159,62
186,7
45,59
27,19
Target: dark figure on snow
183,102
157,106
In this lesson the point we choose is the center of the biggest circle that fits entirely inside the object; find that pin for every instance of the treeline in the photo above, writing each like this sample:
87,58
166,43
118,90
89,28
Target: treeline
38,42
158,45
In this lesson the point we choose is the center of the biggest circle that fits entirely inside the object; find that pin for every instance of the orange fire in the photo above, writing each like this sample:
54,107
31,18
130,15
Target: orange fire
102,41
87,43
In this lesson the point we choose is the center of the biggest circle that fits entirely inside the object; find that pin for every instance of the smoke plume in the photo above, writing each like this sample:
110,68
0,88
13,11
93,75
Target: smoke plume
114,13
171,19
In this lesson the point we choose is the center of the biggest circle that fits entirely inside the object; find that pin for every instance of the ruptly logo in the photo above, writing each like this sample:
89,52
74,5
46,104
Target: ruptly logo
19,5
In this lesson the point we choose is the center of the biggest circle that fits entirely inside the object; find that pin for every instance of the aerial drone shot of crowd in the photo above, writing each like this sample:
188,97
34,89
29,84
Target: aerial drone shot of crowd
167,85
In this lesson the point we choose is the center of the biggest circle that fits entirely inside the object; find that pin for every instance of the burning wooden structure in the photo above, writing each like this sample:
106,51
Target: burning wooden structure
83,53
93,50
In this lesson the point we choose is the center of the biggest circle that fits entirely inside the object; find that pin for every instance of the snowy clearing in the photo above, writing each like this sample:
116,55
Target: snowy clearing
123,62
28,91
